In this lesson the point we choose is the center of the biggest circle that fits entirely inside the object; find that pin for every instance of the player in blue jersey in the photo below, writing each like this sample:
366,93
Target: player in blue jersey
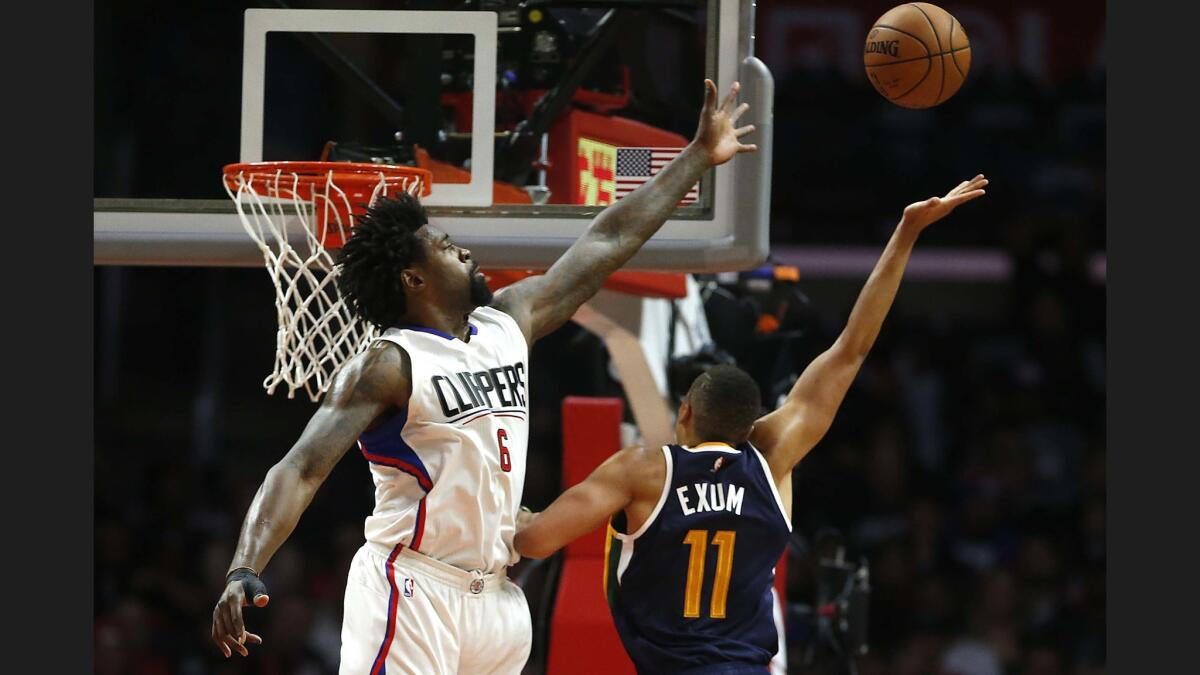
697,527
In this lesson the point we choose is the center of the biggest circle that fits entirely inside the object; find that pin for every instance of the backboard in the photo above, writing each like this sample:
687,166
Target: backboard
584,99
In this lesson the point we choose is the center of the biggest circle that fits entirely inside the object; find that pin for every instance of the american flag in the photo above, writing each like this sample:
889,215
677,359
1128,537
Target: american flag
638,165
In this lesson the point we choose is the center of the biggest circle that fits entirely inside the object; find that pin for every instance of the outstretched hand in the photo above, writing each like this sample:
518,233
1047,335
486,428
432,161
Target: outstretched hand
228,629
921,215
716,132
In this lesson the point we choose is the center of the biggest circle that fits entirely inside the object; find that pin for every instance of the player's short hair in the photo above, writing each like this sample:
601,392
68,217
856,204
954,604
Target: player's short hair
383,242
725,403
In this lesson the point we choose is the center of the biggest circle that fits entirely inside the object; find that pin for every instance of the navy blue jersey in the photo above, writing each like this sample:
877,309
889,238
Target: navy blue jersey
691,590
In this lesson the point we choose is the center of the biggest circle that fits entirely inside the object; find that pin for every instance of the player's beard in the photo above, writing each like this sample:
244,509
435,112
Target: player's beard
481,295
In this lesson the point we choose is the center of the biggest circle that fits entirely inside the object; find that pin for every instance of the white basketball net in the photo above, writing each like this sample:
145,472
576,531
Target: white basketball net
318,332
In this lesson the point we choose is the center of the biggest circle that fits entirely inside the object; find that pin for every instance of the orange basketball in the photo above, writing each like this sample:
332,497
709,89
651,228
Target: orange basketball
917,55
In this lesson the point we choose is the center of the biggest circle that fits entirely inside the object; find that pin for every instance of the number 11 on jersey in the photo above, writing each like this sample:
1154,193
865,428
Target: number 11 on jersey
698,539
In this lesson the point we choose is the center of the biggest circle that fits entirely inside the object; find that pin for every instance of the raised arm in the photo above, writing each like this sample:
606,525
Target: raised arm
787,434
367,387
631,476
542,303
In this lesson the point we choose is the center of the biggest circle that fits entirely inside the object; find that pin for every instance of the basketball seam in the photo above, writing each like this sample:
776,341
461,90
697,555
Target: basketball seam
904,32
931,26
915,58
919,82
949,41
956,66
942,83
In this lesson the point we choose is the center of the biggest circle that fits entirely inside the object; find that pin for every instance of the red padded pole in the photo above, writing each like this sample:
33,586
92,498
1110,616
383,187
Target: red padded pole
582,638
591,434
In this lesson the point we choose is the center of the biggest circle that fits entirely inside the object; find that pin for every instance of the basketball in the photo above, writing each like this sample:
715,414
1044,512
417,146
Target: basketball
917,55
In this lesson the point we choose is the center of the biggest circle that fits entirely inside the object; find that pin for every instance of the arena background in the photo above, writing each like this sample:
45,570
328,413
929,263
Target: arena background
967,462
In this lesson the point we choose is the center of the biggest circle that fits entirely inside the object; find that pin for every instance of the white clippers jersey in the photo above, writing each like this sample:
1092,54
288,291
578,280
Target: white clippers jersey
449,469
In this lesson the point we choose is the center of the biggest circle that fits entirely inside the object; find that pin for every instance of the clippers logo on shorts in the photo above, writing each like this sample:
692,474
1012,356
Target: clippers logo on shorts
500,387
408,587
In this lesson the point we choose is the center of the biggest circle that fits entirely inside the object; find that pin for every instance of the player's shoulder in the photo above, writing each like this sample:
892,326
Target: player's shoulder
512,303
382,372
501,317
513,299
384,355
634,456
772,433
643,467
632,461
497,312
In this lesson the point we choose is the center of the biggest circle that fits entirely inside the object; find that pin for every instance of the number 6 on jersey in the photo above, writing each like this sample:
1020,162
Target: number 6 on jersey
505,458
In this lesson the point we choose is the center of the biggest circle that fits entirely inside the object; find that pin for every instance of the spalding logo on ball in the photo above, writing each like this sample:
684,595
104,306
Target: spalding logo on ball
917,55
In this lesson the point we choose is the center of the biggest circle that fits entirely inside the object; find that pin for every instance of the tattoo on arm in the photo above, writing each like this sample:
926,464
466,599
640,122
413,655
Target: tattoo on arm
366,388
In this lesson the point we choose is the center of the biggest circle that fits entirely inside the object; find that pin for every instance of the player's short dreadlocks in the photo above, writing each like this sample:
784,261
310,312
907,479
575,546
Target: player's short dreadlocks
383,242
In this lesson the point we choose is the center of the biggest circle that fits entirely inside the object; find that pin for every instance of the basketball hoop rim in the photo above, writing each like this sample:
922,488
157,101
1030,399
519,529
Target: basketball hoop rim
339,173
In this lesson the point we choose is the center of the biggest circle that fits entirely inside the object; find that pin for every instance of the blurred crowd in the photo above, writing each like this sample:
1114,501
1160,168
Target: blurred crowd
968,466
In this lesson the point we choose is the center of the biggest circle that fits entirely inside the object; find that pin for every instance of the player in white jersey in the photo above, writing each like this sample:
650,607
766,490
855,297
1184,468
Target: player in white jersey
438,406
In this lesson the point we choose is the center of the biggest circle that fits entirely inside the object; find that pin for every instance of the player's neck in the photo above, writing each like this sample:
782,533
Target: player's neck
444,321
693,440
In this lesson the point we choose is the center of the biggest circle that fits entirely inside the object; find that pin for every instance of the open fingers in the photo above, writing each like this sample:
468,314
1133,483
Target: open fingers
973,186
218,637
731,96
232,626
738,112
235,619
253,639
976,182
231,615
967,186
742,131
220,628
970,184
747,148
710,95
965,197
225,642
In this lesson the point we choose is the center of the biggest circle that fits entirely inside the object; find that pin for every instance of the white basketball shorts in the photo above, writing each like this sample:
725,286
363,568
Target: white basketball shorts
408,614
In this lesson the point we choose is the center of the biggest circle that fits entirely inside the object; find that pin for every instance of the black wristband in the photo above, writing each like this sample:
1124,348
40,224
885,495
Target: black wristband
241,574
